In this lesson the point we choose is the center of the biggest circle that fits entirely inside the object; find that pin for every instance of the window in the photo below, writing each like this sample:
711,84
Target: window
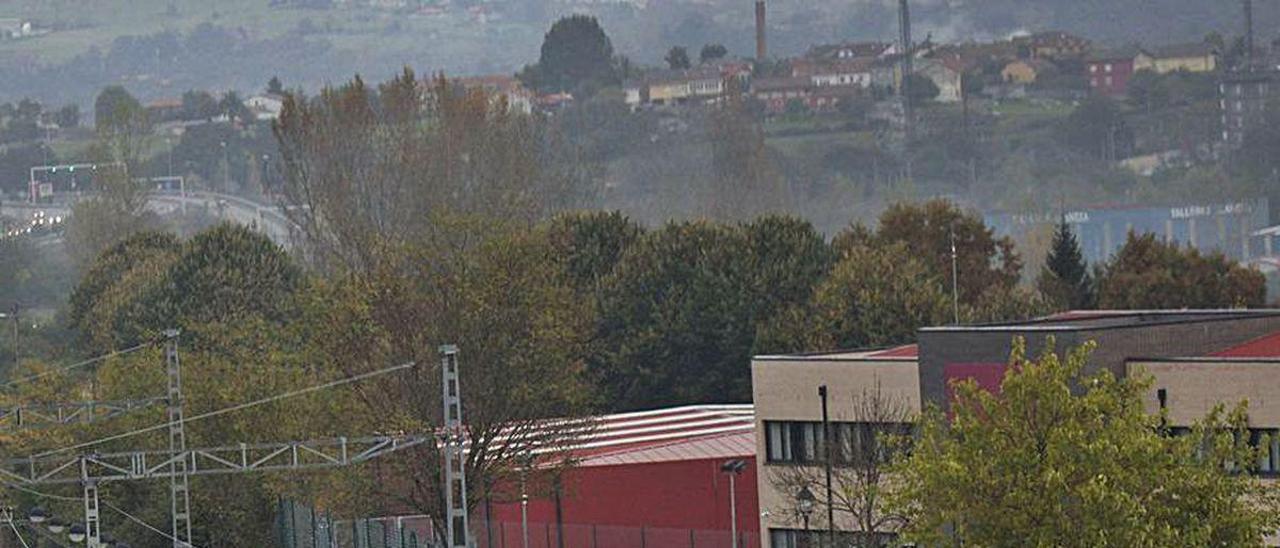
1107,67
1109,81
805,442
797,538
1093,69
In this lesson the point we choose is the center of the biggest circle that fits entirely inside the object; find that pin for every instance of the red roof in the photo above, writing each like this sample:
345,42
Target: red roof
694,432
904,351
1266,346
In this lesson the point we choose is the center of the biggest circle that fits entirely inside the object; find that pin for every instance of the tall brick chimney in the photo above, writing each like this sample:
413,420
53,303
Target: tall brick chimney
762,50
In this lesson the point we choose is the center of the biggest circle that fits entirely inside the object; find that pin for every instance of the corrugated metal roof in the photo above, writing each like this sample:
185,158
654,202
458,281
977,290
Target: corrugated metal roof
681,433
706,447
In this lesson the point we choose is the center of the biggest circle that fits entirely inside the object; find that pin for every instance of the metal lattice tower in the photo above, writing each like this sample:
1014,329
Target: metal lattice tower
455,474
180,496
92,519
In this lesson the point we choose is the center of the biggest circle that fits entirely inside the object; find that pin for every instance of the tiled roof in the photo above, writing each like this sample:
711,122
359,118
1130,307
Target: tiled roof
1180,51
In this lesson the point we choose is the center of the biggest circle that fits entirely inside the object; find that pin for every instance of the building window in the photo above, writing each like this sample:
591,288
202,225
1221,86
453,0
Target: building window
797,538
794,442
1109,81
1107,68
1093,69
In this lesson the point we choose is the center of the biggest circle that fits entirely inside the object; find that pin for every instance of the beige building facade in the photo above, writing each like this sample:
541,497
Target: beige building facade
789,419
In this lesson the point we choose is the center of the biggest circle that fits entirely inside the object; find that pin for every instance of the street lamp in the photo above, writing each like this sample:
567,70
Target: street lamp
57,526
733,468
806,501
37,515
77,533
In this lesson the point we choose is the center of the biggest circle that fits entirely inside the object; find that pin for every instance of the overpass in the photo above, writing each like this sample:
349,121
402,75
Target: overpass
268,219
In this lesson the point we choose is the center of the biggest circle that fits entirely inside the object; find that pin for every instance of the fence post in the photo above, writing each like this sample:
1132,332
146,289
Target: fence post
546,528
642,536
315,530
293,524
595,541
692,544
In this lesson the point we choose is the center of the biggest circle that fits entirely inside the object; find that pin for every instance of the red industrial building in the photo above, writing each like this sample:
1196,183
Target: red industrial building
645,479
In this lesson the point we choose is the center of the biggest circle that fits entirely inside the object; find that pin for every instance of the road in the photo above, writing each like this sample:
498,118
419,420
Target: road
266,218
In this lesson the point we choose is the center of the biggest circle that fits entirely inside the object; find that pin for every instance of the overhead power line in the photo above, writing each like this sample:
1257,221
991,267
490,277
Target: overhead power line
139,521
76,365
234,408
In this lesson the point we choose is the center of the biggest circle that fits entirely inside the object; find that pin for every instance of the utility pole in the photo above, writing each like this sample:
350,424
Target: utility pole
955,278
826,443
454,459
179,493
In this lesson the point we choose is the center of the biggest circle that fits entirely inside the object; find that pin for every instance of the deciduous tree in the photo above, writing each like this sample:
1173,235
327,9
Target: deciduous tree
1147,273
1063,458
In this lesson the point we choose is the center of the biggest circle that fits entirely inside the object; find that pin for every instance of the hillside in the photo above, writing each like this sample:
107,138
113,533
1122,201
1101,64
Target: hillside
160,48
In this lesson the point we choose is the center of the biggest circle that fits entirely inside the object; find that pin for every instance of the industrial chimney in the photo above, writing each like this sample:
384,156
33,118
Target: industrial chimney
1248,35
762,50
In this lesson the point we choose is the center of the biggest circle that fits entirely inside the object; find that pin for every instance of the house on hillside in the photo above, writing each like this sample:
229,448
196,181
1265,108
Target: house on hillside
503,86
851,50
266,106
1052,45
699,84
1023,71
1196,57
1109,71
854,72
946,72
163,110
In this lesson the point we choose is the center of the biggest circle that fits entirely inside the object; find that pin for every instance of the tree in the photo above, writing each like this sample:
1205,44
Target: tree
712,52
233,108
675,324
110,267
677,58
576,54
422,158
1065,279
115,110
746,182
927,231
522,334
274,86
226,273
68,116
921,89
590,244
1097,128
1064,458
861,457
1147,273
199,105
874,296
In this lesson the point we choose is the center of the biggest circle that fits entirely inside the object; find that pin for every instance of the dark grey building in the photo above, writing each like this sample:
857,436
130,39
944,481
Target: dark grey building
1244,100
982,352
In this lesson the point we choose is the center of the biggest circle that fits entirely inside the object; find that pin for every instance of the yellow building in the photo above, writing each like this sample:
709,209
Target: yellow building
1188,57
1022,71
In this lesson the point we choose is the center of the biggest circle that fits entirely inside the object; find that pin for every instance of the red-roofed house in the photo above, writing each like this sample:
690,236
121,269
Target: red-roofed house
655,474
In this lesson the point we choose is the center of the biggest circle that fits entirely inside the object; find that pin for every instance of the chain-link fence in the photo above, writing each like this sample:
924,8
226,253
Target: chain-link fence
301,526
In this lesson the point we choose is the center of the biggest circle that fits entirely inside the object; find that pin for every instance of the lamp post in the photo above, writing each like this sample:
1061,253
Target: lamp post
733,468
805,500
826,444
13,315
